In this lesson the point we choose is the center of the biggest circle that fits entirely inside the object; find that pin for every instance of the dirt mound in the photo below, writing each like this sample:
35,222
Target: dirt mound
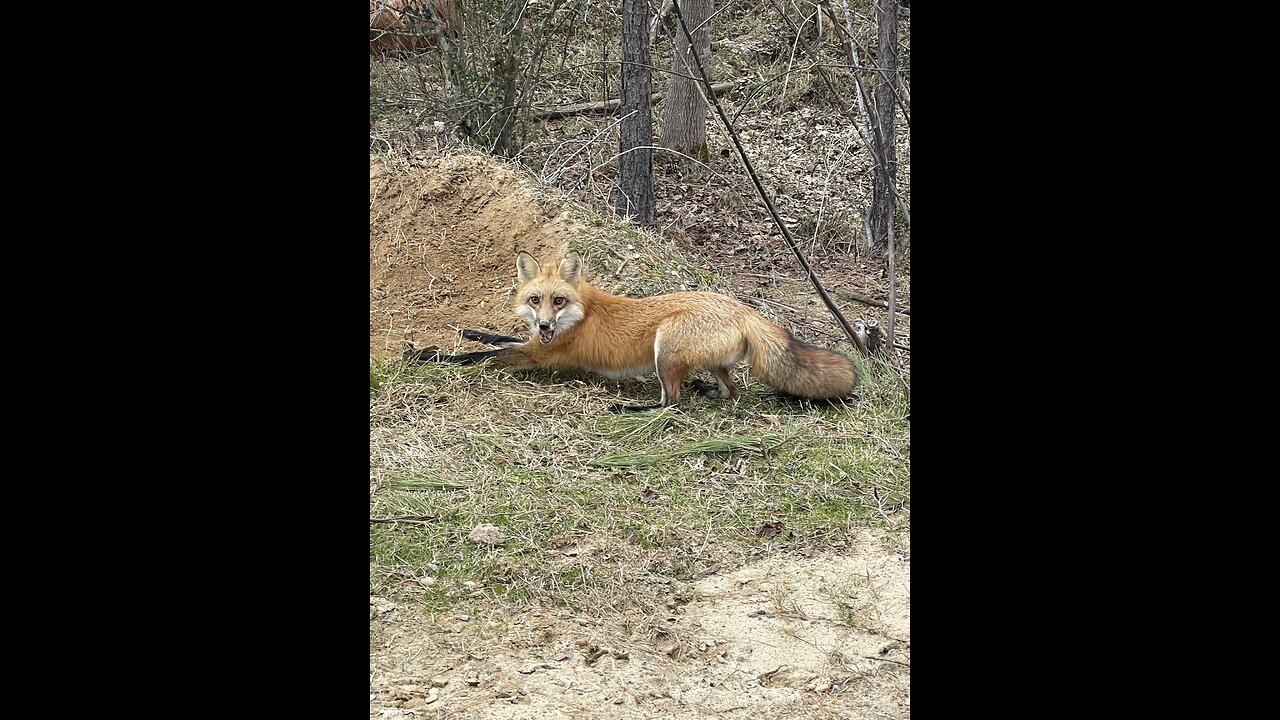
827,636
443,237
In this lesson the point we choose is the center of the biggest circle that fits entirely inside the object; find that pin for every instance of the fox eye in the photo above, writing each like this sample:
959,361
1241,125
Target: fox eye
533,299
559,301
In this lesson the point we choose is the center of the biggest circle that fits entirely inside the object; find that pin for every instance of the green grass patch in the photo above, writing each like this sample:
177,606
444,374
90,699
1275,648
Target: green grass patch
600,510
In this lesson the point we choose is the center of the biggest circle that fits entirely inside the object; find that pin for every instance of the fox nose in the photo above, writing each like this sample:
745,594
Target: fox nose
544,326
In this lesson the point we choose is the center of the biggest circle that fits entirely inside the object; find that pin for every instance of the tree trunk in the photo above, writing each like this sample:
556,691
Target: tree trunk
635,164
886,73
684,127
506,76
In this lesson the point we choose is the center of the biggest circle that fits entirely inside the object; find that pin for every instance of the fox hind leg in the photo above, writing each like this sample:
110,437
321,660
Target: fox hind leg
671,373
670,376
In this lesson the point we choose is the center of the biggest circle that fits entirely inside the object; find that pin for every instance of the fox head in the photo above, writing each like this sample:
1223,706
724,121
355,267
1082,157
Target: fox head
549,297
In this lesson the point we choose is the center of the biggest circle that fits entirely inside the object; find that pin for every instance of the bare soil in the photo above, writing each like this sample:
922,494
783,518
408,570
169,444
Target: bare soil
443,237
826,636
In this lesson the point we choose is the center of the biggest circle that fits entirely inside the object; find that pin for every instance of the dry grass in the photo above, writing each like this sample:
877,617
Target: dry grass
600,510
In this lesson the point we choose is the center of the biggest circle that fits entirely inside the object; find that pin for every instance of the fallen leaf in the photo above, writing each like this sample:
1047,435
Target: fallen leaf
769,529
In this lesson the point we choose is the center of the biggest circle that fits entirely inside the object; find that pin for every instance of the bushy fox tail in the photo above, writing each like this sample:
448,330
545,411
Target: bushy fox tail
796,367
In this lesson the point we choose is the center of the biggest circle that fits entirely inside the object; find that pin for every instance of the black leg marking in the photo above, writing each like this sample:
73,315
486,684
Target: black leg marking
426,354
702,387
431,354
489,338
472,358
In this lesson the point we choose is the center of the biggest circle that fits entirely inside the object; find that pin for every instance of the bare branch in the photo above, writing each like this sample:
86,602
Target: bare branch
903,97
755,179
848,112
607,106
868,301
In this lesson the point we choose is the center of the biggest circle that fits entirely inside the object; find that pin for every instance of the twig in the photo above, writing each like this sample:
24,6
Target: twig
755,179
414,519
872,147
826,188
705,166
885,659
892,277
771,302
617,62
666,10
853,59
763,83
868,301
782,96
606,105
657,20
555,177
903,97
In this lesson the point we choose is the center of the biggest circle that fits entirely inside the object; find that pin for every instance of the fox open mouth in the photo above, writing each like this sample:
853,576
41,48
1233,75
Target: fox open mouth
546,335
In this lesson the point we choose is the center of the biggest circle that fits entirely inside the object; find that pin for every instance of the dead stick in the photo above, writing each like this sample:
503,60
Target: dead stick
899,662
417,519
605,105
866,301
892,277
755,179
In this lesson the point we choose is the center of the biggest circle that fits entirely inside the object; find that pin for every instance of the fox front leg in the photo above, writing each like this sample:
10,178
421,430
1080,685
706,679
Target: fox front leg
506,358
491,339
433,354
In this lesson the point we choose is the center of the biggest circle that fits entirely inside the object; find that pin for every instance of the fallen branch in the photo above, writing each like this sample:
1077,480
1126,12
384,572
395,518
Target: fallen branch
868,301
415,519
892,276
885,659
606,106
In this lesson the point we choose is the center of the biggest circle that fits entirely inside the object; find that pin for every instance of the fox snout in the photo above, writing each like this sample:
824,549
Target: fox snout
546,330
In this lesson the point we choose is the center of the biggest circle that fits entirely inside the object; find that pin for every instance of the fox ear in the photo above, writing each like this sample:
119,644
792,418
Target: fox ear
526,267
571,268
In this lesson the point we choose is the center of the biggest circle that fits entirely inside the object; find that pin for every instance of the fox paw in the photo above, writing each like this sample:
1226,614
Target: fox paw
709,389
426,354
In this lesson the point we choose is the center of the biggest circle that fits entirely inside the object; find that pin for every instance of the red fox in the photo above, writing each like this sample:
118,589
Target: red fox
576,325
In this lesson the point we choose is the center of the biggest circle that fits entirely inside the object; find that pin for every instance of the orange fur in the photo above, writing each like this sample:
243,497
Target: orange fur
577,325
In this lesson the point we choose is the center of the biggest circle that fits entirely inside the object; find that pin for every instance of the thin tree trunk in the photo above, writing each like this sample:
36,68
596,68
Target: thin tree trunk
684,127
887,170
635,164
892,288
852,51
507,77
